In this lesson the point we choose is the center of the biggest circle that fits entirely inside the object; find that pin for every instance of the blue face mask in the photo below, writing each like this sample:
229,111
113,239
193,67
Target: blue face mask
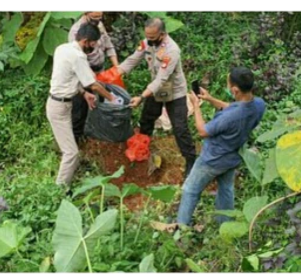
228,92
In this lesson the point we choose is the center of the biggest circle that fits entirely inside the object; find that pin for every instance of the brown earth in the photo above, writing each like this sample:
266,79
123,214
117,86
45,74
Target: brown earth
110,156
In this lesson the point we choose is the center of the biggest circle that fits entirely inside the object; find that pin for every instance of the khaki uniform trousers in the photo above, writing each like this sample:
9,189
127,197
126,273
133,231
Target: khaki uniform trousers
59,116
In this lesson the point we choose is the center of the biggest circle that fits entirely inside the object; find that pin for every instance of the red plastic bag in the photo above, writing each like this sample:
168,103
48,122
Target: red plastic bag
138,148
138,139
111,76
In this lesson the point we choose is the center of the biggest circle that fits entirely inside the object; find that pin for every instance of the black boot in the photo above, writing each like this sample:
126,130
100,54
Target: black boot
189,164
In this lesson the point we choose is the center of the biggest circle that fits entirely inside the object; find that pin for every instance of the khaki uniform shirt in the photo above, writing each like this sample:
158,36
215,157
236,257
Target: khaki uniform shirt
103,47
164,63
70,68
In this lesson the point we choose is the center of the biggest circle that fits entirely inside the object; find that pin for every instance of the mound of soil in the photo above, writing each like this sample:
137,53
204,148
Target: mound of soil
110,156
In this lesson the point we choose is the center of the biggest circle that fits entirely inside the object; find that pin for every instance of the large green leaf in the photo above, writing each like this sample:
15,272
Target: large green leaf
193,266
250,263
112,191
253,205
172,24
270,172
103,224
43,24
91,183
11,236
64,22
155,14
274,133
31,47
37,63
29,51
130,189
231,213
288,159
230,230
71,15
163,193
252,160
269,254
147,264
11,27
67,239
115,175
52,38
284,124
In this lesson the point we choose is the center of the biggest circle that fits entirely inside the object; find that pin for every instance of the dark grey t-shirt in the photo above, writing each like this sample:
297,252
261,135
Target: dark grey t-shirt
229,130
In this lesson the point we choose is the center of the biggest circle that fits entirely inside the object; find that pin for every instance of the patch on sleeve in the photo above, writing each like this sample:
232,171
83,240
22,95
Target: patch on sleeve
165,61
141,46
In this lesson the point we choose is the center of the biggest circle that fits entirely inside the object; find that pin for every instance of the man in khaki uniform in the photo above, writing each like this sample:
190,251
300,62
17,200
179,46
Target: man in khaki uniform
71,68
104,47
168,86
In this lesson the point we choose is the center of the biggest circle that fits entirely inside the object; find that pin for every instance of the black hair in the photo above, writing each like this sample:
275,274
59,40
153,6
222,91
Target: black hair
156,22
242,77
89,32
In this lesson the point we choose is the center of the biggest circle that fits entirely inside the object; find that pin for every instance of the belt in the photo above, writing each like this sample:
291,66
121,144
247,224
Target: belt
60,99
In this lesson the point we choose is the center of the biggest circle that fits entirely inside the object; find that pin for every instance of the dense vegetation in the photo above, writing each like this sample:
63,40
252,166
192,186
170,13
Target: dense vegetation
38,211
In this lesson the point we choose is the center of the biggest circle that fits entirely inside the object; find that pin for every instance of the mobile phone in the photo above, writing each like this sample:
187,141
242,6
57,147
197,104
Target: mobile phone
195,87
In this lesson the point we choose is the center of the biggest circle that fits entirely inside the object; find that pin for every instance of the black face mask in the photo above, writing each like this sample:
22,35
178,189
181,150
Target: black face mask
156,42
88,49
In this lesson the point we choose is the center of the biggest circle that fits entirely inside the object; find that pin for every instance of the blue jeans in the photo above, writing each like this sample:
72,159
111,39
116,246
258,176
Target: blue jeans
200,176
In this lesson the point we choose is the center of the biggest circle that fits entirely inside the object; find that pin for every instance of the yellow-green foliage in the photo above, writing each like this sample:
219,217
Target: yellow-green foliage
28,32
288,157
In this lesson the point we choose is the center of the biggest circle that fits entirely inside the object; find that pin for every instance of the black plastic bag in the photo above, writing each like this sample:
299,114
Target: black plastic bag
110,122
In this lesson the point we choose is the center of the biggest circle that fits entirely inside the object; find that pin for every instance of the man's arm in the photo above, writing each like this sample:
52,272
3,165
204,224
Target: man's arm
101,91
199,120
132,61
114,60
219,104
87,80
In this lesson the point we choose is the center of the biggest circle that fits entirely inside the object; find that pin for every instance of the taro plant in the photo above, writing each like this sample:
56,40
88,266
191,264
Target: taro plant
238,228
163,193
99,181
109,190
252,262
283,161
147,264
46,35
71,244
114,191
11,237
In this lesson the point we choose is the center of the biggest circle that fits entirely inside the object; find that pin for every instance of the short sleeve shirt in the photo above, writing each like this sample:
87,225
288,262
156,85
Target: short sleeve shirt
229,130
70,68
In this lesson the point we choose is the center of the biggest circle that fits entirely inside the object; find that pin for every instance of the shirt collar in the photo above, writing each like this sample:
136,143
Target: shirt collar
76,45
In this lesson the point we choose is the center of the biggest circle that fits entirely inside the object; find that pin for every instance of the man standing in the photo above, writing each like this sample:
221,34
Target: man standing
71,68
96,58
168,86
224,135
